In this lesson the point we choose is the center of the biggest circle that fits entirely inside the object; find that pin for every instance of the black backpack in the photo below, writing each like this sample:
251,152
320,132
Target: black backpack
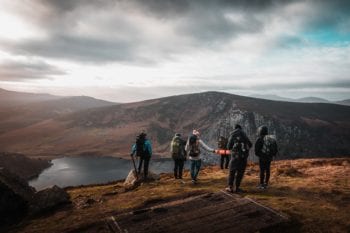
269,146
194,147
239,147
140,145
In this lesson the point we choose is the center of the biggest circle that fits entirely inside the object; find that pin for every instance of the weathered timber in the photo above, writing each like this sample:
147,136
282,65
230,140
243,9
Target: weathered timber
212,212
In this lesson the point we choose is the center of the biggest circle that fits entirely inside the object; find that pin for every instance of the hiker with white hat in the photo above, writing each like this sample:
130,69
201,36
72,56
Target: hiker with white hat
193,150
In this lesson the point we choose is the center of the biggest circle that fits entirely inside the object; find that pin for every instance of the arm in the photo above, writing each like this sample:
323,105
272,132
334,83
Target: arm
248,142
205,146
133,149
230,143
187,146
258,147
149,147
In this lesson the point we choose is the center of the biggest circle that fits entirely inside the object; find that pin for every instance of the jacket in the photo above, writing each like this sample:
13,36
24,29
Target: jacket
147,146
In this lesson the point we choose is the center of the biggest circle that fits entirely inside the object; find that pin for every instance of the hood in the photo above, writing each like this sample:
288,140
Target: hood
262,130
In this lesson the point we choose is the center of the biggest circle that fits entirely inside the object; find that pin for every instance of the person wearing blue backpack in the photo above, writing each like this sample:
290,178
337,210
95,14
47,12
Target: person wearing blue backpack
143,149
193,150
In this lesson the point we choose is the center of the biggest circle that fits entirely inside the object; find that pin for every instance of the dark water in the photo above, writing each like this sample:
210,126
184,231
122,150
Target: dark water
73,171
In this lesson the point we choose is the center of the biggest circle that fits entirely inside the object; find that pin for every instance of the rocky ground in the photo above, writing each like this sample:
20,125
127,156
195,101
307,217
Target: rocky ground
314,193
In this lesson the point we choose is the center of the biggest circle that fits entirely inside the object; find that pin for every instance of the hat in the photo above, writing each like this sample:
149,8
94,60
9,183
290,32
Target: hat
177,135
237,126
195,132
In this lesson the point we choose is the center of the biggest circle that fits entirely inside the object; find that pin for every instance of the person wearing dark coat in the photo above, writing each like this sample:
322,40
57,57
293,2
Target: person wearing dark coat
239,144
179,156
264,159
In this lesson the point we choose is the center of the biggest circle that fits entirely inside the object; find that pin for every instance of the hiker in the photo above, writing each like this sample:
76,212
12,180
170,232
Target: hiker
265,149
143,150
178,153
224,158
239,144
193,150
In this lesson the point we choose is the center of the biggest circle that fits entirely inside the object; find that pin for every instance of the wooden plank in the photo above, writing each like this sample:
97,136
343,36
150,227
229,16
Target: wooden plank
214,212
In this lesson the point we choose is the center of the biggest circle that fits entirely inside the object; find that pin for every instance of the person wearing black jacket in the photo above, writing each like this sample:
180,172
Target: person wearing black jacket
264,158
239,144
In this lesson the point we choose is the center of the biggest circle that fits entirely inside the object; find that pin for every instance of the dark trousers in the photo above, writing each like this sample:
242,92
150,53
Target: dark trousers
179,166
226,159
145,161
264,171
237,168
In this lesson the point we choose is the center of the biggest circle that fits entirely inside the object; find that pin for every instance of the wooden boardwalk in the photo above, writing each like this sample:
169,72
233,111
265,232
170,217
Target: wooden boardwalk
213,212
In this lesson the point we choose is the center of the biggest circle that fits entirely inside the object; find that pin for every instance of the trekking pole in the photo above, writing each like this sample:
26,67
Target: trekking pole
133,162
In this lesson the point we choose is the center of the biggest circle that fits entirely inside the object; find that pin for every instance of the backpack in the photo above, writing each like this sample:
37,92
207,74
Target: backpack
222,142
239,147
177,150
140,144
194,147
269,146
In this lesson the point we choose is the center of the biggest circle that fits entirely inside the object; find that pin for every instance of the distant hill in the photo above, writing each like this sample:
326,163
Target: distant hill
18,110
273,97
14,98
302,129
344,102
309,99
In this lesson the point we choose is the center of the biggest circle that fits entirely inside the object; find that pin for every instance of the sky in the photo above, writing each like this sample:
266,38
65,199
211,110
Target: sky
131,50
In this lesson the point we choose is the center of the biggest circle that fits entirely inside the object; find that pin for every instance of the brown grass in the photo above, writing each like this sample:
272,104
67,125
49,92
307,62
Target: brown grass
315,193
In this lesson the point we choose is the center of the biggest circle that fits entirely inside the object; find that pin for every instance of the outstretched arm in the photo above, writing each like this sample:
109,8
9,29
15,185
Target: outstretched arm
205,146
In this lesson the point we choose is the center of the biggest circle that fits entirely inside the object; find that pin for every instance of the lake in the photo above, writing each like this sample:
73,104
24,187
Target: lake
74,171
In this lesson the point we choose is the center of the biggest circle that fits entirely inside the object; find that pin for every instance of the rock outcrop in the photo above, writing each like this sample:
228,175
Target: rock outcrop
15,195
48,199
133,179
18,199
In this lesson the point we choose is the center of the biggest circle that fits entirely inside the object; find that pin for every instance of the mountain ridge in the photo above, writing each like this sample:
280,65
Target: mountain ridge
303,129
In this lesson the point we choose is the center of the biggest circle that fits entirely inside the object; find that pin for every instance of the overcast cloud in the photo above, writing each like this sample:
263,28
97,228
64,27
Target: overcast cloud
134,49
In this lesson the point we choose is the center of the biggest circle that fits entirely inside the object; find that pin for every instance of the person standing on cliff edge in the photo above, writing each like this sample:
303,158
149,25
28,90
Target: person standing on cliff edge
239,144
193,150
143,149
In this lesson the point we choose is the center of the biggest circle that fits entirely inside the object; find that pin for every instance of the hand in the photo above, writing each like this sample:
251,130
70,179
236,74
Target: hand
131,154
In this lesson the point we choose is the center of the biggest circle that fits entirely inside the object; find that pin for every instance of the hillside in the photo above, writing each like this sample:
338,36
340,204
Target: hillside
19,110
314,193
302,129
14,98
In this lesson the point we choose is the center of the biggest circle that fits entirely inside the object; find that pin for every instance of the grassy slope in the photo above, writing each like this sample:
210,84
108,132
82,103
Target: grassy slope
315,194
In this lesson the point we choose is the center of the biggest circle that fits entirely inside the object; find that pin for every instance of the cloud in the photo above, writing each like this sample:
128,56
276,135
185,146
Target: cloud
136,31
19,71
201,44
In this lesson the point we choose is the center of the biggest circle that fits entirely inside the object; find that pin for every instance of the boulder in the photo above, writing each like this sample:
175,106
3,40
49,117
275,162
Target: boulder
15,196
48,199
133,181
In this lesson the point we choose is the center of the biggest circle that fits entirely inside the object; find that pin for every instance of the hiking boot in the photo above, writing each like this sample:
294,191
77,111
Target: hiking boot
229,189
194,182
265,186
238,190
260,186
